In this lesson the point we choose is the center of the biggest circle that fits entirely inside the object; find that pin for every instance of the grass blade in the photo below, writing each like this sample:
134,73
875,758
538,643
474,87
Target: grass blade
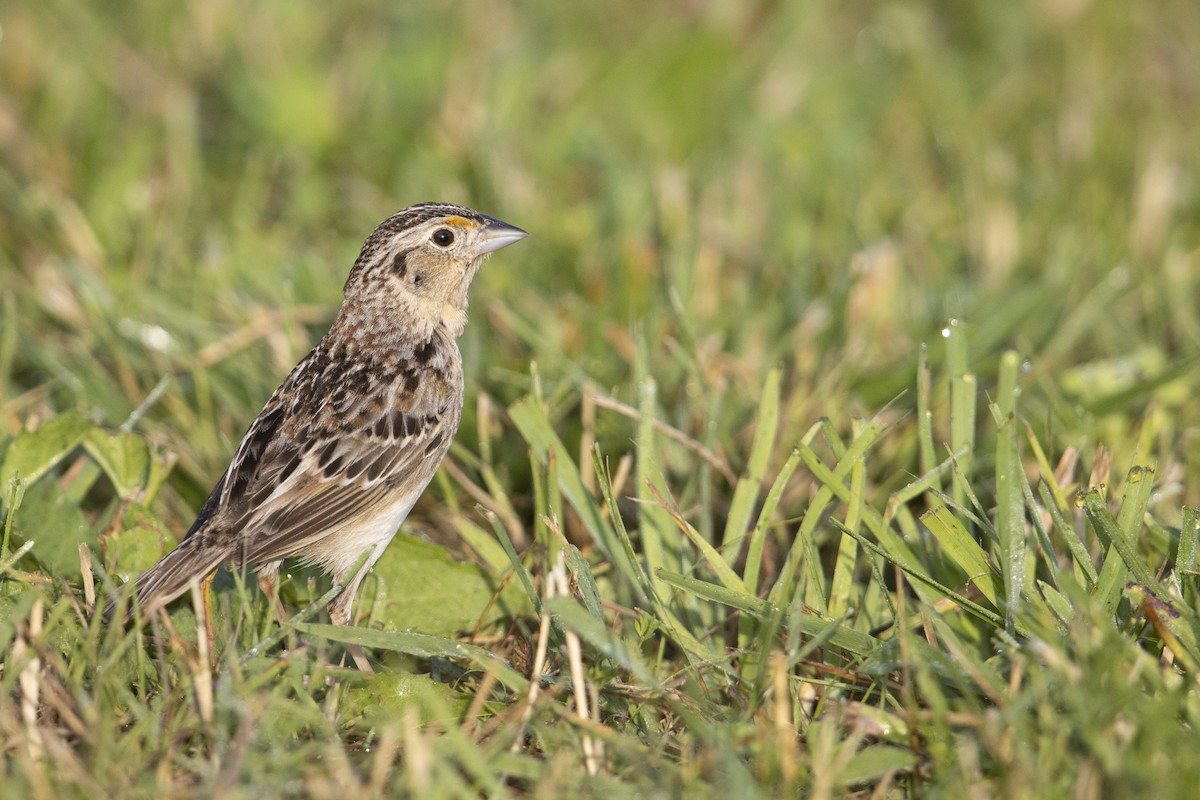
963,550
754,552
1010,504
744,495
421,645
843,569
844,638
575,617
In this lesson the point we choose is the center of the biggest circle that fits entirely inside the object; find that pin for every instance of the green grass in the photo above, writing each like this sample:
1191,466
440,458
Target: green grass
848,373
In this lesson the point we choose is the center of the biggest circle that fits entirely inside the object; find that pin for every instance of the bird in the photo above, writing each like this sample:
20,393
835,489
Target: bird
338,456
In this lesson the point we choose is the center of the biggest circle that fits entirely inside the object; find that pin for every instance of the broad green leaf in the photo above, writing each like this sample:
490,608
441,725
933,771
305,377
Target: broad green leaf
34,453
421,645
421,587
141,540
55,526
124,457
385,695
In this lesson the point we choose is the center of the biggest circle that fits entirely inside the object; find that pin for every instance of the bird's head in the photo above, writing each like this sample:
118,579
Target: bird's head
420,261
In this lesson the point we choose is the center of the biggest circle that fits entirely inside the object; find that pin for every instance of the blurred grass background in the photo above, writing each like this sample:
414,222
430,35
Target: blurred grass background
713,190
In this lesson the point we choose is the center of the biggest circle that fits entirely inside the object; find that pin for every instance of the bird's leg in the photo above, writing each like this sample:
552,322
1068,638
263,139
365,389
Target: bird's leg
360,658
339,614
340,608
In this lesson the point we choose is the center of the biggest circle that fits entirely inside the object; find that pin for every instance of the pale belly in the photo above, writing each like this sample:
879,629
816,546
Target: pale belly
339,552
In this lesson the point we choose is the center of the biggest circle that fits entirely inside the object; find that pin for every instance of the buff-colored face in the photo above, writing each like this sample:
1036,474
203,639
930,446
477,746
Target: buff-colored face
439,257
425,259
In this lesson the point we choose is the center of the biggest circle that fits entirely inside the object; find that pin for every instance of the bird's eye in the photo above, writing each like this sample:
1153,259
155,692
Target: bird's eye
443,237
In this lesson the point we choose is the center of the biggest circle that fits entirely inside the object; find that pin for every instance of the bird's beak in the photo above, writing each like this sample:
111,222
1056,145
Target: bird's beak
497,234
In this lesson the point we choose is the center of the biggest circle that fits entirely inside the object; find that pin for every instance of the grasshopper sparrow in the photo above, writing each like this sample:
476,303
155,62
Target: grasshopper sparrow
340,453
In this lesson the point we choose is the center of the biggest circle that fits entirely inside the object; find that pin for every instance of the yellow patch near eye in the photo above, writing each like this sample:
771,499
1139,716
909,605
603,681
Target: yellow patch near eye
458,222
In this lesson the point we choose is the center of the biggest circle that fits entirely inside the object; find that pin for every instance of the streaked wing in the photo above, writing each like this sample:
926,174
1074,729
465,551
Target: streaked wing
336,482
255,464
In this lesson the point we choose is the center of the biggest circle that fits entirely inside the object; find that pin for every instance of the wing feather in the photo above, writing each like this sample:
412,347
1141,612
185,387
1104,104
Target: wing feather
313,503
333,448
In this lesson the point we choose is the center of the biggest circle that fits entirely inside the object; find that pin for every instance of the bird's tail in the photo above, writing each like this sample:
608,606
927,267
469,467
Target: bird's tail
170,577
